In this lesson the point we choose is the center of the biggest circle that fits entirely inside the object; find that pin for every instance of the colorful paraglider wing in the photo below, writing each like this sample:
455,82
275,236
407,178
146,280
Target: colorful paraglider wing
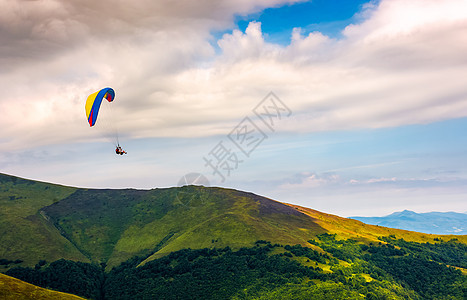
93,103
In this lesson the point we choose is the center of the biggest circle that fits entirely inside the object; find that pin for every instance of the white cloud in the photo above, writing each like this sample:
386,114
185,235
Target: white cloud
307,180
374,180
404,63
377,76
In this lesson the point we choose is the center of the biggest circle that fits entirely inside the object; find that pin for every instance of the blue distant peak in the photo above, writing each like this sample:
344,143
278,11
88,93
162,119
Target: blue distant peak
402,213
433,222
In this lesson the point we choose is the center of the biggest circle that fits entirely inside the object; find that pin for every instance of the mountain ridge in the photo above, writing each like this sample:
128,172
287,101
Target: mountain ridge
109,226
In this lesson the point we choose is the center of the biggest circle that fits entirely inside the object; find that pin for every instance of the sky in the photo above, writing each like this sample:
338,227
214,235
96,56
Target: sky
355,108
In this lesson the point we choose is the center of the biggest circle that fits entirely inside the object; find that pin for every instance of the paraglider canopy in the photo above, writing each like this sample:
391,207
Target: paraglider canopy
92,107
93,103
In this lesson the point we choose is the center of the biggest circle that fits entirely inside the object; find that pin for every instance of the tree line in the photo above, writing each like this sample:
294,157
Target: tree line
389,269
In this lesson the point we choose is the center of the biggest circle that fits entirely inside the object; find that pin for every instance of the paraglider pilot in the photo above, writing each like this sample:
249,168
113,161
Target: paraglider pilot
120,151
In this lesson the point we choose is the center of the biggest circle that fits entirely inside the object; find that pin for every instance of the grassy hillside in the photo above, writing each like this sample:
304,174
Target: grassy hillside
15,289
41,221
24,233
113,225
243,246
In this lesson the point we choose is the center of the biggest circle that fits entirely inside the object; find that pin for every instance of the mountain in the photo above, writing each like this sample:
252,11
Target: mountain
24,233
15,289
432,222
41,221
111,226
195,242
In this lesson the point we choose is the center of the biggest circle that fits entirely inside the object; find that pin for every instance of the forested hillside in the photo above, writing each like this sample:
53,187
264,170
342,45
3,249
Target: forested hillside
333,269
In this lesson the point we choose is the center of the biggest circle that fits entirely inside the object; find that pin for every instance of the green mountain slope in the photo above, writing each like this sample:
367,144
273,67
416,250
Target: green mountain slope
24,233
15,289
114,225
41,221
243,246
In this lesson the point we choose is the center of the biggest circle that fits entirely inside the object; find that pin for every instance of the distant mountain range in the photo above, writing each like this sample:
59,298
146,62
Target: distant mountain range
432,222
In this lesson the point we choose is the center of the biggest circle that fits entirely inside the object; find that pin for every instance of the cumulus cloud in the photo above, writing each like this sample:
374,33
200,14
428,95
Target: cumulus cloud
404,63
385,72
55,53
310,180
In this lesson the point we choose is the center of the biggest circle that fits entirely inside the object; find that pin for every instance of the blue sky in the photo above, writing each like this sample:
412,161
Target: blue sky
277,23
329,17
376,94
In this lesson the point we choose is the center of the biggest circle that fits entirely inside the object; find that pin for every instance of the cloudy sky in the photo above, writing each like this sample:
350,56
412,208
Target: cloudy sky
347,107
